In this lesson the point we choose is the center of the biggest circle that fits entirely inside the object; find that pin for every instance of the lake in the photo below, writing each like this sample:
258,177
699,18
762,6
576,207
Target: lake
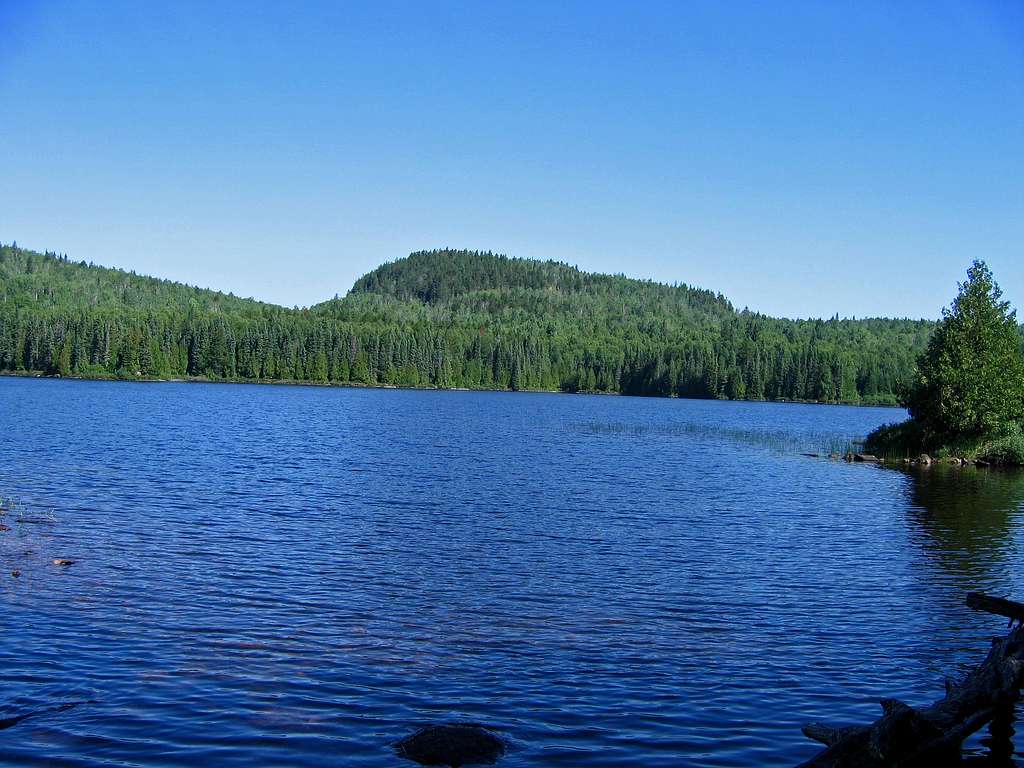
299,576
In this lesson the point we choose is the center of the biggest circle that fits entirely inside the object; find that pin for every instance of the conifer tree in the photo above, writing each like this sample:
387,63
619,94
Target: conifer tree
970,380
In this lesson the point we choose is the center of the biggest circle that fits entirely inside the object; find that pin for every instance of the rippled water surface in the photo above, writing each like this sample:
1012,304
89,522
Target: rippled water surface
292,576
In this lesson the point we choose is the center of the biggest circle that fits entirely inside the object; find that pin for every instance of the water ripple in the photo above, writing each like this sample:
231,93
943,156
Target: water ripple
291,575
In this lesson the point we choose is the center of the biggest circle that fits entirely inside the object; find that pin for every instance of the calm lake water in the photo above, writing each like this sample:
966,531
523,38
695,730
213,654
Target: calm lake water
293,576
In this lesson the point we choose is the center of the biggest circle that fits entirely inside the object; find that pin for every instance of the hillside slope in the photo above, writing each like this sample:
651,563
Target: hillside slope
447,319
40,281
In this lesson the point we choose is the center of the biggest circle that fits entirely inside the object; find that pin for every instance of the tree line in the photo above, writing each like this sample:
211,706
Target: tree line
447,319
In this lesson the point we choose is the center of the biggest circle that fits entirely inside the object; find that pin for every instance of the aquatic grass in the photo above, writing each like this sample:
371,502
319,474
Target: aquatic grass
21,512
779,441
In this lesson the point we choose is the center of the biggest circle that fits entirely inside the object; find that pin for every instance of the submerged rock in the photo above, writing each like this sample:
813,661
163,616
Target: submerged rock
453,744
63,561
15,574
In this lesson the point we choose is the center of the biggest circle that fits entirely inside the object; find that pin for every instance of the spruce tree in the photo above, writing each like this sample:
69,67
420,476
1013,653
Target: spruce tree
970,380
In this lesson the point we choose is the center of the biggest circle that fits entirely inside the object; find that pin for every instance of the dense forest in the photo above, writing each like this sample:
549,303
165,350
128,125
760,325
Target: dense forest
446,319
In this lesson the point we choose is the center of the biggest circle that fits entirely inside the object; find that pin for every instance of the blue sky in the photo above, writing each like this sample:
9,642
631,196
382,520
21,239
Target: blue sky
803,158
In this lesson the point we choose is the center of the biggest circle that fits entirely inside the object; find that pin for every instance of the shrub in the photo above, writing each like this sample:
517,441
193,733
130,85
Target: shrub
896,440
1007,450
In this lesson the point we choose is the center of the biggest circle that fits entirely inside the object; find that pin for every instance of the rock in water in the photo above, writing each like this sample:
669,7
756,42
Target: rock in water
454,745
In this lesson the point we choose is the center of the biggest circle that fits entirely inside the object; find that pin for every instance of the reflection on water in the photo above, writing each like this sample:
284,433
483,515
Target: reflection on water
966,519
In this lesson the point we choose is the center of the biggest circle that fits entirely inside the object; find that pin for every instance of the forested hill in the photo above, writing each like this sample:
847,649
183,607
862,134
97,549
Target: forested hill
38,281
436,277
446,319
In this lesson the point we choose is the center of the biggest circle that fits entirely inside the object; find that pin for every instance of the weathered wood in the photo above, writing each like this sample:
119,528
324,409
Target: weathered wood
997,605
905,736
827,734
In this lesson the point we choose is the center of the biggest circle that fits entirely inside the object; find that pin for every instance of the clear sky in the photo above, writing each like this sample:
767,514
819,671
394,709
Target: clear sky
803,158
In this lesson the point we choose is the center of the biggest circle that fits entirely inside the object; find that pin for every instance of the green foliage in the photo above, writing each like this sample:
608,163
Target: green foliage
1007,449
970,380
447,319
908,440
896,441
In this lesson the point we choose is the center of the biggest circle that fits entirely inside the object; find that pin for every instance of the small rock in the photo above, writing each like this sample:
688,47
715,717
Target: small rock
454,744
63,561
15,574
4,527
924,459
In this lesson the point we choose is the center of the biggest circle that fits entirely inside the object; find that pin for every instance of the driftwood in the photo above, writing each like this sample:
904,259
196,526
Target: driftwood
997,605
904,736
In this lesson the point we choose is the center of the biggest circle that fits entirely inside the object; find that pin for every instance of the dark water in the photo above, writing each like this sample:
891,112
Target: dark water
298,576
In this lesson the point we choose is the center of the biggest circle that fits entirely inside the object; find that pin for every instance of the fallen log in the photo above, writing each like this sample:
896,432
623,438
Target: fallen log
997,605
905,736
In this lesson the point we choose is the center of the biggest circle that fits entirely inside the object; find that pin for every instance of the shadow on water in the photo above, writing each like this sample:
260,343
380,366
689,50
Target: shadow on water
964,519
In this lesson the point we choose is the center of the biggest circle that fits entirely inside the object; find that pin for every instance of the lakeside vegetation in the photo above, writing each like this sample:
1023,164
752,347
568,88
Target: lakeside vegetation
447,319
966,398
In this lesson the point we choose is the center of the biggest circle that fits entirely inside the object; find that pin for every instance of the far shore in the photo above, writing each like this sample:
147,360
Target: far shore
362,385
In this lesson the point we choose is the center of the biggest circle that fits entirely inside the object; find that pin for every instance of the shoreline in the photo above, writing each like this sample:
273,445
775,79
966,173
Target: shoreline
361,385
907,442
